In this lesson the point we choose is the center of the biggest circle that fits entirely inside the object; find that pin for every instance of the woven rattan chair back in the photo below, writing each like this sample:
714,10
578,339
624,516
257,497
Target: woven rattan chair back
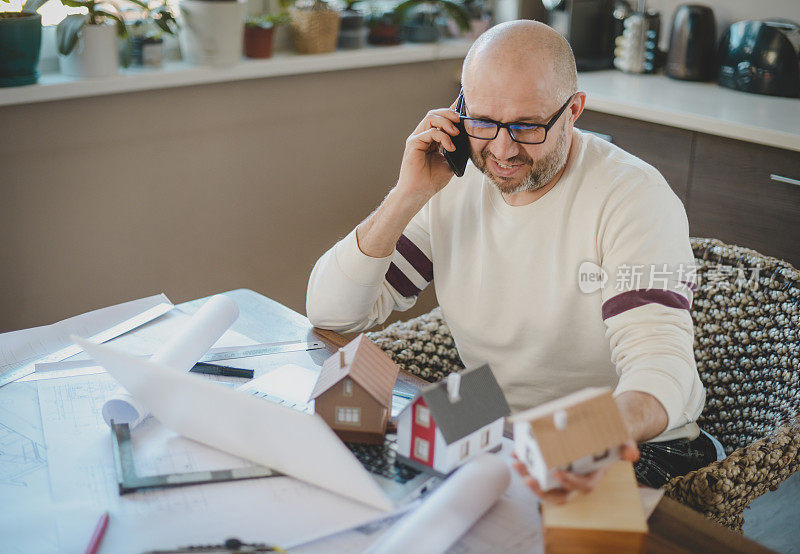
746,315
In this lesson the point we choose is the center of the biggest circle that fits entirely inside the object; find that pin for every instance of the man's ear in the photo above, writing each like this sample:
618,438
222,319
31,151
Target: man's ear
577,105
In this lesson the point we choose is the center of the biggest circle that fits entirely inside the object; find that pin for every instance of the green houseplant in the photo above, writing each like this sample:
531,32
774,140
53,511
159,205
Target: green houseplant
259,33
352,28
20,42
87,43
424,19
385,28
145,45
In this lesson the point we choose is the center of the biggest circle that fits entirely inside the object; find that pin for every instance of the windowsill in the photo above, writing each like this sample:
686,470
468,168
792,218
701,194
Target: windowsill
55,86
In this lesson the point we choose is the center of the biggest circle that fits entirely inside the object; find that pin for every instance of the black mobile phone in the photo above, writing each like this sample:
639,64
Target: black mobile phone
460,156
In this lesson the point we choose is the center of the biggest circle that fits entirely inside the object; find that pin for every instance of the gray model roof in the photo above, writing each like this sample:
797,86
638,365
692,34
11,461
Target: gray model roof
482,402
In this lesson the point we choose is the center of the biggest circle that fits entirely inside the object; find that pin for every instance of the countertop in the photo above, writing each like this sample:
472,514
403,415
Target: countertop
704,107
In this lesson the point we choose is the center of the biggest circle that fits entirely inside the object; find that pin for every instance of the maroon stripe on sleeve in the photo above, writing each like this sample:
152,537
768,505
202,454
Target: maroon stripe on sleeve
415,257
400,282
635,298
690,285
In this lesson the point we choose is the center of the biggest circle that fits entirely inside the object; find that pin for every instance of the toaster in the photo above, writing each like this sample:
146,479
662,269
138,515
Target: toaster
761,57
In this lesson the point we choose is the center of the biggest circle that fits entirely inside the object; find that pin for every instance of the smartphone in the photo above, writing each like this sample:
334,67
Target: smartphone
457,160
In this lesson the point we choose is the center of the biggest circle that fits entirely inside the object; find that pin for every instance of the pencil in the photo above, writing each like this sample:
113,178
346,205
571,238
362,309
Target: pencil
97,536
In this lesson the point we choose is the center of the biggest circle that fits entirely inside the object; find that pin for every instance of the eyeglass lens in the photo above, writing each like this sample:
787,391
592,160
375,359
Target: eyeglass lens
487,130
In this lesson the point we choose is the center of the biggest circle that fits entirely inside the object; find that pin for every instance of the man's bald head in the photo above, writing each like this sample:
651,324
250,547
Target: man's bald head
530,49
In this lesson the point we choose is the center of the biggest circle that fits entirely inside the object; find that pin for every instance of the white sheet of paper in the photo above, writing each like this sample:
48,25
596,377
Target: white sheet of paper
280,509
20,350
513,524
292,442
179,352
451,509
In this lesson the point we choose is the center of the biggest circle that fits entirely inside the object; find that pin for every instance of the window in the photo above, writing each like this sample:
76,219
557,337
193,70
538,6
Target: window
421,449
485,438
464,449
348,415
423,416
348,387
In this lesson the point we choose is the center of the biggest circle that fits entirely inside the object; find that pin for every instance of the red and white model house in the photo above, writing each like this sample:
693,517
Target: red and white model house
452,421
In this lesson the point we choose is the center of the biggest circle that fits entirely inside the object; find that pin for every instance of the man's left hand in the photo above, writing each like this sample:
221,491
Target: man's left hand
572,484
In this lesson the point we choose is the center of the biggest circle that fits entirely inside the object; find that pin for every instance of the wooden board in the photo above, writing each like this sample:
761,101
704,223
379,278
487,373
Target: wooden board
608,519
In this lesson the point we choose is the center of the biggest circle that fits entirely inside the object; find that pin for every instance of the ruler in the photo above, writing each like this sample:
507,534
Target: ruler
130,481
103,336
235,352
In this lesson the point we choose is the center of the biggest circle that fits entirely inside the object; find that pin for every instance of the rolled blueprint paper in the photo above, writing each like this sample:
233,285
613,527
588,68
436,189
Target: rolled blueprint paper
450,511
180,353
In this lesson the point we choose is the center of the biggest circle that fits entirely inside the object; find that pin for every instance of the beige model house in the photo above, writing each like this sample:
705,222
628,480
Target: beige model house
354,391
580,432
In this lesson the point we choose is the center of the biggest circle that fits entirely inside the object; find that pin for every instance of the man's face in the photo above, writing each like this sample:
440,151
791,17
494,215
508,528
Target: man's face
514,167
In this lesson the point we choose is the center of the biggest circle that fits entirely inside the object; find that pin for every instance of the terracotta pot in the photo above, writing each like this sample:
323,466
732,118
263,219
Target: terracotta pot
381,34
258,41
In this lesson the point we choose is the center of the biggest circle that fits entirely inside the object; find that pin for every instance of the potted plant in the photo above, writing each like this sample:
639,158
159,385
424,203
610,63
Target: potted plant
352,29
315,27
87,43
259,33
212,31
424,19
480,19
20,42
384,28
145,34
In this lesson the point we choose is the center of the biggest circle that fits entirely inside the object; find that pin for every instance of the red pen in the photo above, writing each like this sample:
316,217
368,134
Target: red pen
97,536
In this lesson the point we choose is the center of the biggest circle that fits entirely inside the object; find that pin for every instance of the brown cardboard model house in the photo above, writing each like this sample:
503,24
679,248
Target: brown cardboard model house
580,433
354,391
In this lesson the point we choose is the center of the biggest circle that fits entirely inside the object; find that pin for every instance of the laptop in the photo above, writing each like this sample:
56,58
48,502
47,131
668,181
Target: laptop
288,440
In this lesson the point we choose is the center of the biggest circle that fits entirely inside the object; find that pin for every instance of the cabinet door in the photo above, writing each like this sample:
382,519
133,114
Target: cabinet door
668,149
746,194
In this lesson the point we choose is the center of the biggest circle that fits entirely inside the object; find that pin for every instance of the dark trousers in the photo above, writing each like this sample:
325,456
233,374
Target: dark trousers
661,461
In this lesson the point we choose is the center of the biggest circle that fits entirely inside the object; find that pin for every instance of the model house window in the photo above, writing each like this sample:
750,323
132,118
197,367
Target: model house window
348,415
348,387
421,449
423,416
485,438
464,449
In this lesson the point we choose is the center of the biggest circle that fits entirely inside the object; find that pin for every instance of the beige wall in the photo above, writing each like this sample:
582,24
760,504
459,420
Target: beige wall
200,189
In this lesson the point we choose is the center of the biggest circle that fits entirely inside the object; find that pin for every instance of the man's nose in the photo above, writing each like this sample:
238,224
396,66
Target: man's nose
503,146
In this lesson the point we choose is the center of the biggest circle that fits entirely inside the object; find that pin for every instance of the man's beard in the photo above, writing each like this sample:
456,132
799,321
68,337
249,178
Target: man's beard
539,173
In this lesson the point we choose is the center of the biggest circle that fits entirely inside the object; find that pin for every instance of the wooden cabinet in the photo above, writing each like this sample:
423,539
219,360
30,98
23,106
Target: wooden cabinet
742,193
739,192
666,148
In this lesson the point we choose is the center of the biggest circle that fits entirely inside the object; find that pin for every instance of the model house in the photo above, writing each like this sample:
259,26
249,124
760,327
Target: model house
450,422
580,432
354,391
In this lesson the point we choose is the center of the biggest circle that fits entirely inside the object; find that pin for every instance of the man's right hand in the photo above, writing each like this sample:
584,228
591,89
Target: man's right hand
424,171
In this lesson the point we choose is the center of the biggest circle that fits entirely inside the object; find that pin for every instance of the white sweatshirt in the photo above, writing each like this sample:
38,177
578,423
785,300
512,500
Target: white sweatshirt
509,281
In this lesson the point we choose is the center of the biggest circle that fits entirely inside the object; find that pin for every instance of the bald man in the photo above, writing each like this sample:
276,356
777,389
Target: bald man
561,260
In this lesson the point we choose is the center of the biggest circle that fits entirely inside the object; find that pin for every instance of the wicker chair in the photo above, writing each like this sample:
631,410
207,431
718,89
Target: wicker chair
747,345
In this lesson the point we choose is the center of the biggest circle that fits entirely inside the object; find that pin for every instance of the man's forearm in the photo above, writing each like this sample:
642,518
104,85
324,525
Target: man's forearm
643,414
378,234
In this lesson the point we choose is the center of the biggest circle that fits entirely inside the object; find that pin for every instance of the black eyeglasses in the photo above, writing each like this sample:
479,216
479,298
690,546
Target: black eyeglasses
525,133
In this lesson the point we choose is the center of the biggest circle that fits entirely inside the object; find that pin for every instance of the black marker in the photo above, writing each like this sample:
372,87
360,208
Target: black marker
222,371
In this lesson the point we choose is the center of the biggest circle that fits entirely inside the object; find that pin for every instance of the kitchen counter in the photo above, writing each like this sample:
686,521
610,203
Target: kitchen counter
704,107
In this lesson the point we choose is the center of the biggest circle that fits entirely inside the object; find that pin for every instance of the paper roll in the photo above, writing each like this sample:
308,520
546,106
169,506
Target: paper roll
180,353
450,511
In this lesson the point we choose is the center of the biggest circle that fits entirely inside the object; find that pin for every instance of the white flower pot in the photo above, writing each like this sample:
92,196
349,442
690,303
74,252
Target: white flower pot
95,53
212,32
